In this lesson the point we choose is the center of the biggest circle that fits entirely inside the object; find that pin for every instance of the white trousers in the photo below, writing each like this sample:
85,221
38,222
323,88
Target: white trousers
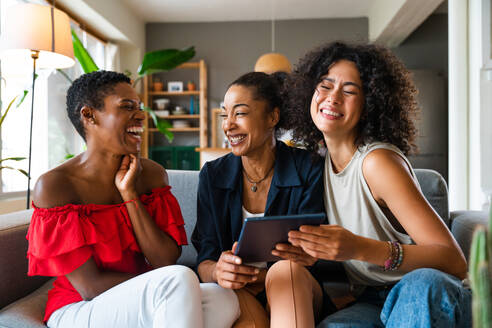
166,297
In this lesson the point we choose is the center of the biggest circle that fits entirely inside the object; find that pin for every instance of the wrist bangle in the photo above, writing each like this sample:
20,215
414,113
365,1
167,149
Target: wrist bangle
396,256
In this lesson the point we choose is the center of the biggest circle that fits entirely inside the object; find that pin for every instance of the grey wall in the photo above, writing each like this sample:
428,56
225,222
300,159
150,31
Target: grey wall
425,52
232,48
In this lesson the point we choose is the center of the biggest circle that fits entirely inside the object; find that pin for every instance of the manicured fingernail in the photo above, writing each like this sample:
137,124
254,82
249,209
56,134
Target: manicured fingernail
238,261
257,271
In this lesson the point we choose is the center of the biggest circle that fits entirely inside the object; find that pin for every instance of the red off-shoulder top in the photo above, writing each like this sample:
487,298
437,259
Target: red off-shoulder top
63,238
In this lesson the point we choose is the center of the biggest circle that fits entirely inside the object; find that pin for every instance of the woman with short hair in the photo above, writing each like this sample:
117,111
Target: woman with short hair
106,224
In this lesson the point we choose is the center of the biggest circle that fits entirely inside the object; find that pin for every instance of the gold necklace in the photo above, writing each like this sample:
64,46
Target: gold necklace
254,188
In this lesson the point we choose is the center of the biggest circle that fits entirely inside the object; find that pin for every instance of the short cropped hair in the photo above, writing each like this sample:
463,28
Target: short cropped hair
90,90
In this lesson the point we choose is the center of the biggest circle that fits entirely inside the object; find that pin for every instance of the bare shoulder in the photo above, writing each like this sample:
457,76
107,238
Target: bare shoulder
153,174
54,188
384,170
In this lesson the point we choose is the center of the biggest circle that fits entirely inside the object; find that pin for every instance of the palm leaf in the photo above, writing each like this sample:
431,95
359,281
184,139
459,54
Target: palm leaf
12,168
12,159
7,110
164,60
84,58
161,125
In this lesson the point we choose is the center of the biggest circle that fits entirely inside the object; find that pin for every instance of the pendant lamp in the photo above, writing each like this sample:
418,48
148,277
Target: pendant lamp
273,62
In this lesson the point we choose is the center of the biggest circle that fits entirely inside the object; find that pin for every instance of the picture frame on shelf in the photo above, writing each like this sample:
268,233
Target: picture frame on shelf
175,86
217,132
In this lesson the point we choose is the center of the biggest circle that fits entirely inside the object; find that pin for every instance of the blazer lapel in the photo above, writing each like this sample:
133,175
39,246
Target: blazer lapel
284,175
231,182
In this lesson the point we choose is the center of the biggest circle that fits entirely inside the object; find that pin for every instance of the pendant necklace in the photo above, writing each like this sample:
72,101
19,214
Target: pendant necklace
254,187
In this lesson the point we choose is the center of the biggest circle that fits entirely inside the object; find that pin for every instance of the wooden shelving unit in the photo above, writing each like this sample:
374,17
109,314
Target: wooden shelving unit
149,96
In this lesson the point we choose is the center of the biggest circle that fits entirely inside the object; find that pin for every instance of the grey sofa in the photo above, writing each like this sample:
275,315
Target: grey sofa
22,298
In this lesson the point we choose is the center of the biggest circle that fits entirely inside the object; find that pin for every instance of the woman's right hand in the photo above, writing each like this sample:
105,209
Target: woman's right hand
126,176
230,273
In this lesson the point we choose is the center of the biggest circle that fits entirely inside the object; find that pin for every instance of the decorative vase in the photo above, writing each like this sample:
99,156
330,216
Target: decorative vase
157,86
191,86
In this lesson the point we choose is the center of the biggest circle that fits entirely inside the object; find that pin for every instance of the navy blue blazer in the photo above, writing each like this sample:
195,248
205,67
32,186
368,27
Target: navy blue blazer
296,188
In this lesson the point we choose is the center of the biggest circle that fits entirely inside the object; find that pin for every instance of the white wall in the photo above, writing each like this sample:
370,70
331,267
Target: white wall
116,22
470,104
458,105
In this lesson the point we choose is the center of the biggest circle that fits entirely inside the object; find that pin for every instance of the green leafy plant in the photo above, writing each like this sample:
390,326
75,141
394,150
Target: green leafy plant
153,62
480,275
2,119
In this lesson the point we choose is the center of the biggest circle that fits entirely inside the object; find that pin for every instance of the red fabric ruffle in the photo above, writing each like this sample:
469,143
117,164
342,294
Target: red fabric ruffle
63,238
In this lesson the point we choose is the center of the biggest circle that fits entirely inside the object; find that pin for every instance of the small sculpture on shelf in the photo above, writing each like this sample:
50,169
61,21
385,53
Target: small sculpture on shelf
191,86
157,85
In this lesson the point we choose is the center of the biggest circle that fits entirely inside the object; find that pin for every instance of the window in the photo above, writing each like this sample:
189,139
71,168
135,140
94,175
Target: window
53,135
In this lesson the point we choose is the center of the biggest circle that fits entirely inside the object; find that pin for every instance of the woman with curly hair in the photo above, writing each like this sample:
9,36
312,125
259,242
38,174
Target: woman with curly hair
403,264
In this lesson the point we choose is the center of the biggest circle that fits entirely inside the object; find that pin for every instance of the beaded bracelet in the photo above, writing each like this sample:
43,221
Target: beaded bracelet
389,262
396,256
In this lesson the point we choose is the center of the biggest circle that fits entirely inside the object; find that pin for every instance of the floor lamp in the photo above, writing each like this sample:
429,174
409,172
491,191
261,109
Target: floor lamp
39,35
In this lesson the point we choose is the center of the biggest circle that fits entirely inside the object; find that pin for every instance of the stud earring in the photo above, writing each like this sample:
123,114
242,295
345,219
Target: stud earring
92,120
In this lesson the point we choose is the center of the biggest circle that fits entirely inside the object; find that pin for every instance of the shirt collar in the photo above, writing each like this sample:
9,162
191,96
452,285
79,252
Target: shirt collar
285,173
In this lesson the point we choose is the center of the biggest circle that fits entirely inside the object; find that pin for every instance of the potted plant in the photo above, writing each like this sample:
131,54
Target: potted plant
480,275
157,84
153,62
2,118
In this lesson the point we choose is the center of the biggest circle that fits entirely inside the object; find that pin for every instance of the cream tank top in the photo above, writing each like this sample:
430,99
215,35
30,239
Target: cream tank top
350,204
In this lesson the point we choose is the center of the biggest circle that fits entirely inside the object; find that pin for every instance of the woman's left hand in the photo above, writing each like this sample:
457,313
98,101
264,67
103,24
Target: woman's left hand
293,253
126,176
328,242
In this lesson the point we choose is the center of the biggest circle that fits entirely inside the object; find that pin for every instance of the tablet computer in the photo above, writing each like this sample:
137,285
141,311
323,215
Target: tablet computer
260,235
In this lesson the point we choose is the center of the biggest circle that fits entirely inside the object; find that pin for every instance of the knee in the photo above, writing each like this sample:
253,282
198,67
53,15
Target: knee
216,299
428,285
177,275
427,279
286,271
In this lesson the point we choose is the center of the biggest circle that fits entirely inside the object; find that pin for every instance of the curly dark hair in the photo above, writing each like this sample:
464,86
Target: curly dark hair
269,88
90,90
390,103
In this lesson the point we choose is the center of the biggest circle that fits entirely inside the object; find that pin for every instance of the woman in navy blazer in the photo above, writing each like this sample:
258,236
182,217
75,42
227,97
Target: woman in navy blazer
262,176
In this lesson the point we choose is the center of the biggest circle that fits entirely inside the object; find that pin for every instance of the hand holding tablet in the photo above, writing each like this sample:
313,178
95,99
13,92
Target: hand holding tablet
230,272
260,235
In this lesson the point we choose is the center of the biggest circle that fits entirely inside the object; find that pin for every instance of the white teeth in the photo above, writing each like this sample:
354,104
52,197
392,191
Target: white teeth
236,139
329,112
135,129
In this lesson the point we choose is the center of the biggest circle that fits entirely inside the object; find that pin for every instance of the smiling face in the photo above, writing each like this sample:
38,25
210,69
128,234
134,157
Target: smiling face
338,100
119,124
247,123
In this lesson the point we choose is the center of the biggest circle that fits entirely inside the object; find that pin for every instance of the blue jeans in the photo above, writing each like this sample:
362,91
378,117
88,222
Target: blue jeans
422,298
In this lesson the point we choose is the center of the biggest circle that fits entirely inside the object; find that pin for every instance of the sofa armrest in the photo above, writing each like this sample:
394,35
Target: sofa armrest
463,224
14,282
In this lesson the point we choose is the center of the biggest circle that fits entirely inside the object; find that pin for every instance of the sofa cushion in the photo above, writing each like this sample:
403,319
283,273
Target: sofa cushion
184,186
28,311
463,225
14,282
435,190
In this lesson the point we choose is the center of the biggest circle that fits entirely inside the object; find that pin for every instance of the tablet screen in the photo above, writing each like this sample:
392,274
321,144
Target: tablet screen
260,235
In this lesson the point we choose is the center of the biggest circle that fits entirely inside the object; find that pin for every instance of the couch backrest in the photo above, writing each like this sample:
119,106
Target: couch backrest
14,282
184,186
435,190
